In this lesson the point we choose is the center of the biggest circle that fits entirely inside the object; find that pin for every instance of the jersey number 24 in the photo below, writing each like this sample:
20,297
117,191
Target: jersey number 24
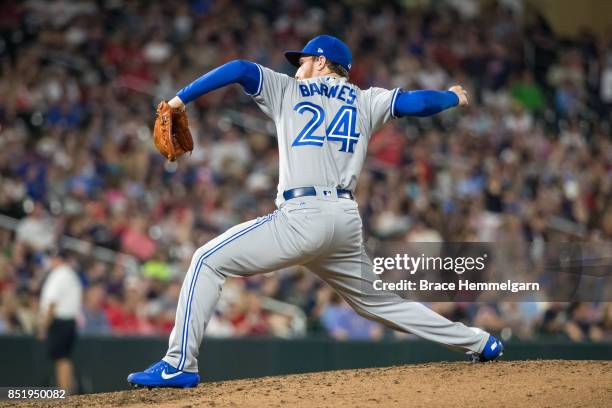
341,129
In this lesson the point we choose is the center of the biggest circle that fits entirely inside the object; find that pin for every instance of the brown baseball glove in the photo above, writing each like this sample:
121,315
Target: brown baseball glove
171,132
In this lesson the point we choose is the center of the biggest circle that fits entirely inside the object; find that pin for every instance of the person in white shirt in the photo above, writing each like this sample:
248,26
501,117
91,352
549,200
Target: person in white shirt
60,304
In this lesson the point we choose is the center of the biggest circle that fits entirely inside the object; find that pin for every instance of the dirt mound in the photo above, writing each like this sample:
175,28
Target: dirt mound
544,383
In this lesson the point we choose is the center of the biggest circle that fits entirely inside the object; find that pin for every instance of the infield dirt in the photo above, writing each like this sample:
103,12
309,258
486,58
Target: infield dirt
537,383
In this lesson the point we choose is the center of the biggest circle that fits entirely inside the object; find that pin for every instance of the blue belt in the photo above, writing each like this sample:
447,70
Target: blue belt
310,191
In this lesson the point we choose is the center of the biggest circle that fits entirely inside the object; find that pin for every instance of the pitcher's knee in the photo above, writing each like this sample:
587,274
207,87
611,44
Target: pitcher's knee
204,259
212,270
198,257
206,253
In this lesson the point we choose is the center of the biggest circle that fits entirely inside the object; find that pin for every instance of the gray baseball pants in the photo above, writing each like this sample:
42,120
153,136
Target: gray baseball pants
325,235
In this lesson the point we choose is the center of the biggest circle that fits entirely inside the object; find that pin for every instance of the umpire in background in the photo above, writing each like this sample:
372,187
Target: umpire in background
60,304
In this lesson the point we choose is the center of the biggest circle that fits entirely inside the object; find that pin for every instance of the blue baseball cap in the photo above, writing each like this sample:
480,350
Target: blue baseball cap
330,47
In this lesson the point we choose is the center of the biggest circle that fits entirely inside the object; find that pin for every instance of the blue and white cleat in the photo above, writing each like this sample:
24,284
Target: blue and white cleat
491,351
162,374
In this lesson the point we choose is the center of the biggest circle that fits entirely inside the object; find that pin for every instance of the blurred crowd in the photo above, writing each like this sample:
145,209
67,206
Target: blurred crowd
529,160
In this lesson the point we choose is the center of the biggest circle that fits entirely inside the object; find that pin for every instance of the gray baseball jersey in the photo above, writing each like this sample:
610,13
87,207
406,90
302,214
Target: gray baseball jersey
323,126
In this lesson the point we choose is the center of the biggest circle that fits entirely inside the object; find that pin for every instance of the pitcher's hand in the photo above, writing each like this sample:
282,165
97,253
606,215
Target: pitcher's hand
461,94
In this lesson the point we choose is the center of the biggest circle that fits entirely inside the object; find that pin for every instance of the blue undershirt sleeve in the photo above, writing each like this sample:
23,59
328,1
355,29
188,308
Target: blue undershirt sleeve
423,103
240,72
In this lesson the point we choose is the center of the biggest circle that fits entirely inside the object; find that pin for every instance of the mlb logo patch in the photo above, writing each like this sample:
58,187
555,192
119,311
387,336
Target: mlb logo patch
320,50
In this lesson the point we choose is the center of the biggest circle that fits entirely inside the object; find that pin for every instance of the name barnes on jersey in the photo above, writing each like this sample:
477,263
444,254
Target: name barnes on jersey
343,93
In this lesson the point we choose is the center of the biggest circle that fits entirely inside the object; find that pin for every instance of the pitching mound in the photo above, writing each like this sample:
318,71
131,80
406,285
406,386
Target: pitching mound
550,383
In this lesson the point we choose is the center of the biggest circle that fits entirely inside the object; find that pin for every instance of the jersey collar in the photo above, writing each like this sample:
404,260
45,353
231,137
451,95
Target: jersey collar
332,77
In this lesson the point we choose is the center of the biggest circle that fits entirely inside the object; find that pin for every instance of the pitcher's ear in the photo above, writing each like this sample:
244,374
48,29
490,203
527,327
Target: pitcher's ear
321,60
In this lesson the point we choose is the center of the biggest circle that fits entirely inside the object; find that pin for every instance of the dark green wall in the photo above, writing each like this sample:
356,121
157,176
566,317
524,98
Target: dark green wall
103,363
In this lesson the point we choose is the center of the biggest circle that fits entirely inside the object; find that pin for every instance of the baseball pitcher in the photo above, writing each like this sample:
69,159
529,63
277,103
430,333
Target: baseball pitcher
324,124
